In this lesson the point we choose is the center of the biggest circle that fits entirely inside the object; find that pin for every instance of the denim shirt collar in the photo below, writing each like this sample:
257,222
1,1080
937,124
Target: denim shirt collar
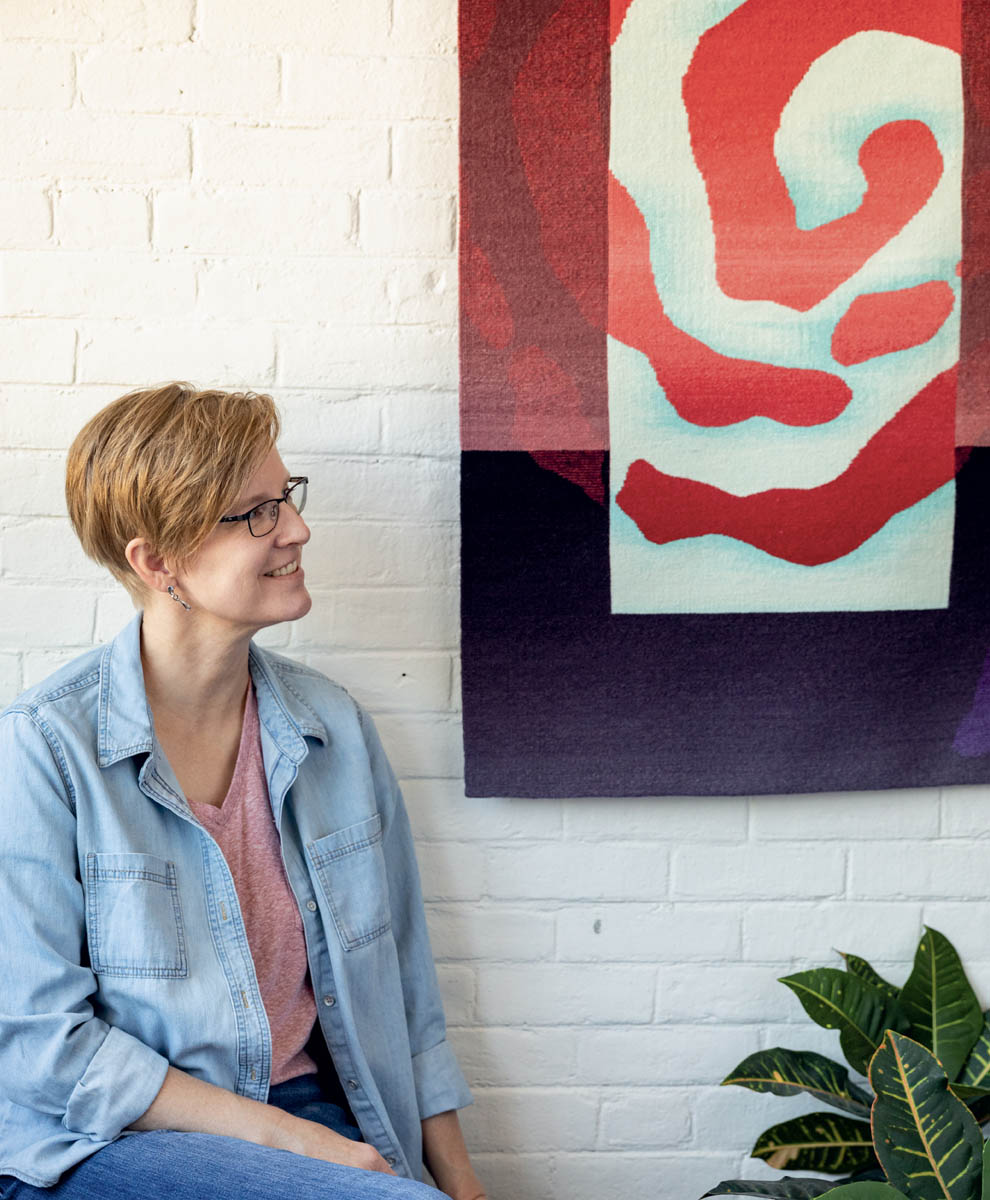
125,725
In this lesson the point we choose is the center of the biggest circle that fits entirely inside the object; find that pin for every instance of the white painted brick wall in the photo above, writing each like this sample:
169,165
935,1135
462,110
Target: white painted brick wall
263,194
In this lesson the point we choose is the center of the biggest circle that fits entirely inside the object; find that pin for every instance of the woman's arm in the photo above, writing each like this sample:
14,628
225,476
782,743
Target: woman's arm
446,1158
56,1056
195,1106
440,1086
439,1082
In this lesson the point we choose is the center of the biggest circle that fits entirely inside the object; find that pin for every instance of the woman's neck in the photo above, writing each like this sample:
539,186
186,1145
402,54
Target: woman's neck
193,676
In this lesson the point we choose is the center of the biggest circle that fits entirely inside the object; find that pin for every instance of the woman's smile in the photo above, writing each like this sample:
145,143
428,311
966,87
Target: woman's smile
283,572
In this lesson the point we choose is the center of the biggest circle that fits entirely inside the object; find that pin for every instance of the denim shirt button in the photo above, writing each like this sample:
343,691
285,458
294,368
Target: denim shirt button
311,905
329,1001
390,1159
352,1084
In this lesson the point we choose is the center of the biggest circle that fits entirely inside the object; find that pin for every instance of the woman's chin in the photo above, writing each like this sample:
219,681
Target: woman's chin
288,610
300,606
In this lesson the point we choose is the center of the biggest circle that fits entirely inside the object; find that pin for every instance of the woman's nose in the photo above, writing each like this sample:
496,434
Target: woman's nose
291,527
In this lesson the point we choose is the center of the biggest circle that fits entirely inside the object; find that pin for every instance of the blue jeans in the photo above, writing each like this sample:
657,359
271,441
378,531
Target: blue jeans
204,1166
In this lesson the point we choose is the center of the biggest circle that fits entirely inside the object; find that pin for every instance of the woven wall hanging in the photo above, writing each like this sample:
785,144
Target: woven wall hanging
725,301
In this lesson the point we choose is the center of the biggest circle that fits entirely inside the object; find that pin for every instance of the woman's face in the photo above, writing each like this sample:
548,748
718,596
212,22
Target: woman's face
230,577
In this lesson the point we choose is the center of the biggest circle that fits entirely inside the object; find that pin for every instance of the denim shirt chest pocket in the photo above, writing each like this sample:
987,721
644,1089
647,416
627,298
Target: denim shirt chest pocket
350,865
133,917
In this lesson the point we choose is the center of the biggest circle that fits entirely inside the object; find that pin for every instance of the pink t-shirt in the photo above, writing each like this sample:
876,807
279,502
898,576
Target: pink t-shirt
244,829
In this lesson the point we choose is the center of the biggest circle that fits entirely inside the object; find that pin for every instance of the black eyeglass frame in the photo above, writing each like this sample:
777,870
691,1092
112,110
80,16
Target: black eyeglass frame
294,482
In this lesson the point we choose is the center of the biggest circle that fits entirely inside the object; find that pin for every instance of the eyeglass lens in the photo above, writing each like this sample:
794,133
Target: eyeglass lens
264,518
297,496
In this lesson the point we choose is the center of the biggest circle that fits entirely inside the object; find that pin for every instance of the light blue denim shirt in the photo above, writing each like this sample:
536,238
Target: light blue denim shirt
122,946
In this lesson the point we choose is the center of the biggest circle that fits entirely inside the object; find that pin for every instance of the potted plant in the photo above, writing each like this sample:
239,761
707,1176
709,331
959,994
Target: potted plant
925,1048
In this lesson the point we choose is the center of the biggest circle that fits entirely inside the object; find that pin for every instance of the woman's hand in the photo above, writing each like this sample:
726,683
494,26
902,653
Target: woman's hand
316,1141
195,1106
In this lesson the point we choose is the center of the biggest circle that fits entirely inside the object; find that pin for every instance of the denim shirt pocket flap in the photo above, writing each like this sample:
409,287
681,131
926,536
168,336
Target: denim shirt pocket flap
350,865
133,916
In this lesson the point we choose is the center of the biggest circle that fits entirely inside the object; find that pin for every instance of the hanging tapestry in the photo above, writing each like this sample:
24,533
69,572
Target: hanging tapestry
725,348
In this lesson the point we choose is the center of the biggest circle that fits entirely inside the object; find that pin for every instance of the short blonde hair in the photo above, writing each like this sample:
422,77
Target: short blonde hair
163,463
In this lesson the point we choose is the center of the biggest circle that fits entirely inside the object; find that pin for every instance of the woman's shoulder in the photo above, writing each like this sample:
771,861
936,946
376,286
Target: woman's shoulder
58,712
300,673
69,684
111,670
327,698
325,708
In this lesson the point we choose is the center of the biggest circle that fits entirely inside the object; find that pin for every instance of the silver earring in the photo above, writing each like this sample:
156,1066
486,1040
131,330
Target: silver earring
175,596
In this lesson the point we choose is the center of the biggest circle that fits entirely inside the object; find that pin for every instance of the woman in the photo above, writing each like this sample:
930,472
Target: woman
212,940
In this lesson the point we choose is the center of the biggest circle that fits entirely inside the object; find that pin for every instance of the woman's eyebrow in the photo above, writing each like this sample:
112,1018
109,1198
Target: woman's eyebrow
244,505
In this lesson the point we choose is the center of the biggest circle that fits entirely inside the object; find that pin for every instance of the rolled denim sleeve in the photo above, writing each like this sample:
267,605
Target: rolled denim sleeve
56,1056
440,1084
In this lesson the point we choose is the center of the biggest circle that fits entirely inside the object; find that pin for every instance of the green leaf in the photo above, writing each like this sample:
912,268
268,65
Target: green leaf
864,1191
937,999
820,1141
973,1083
839,1000
968,1094
788,1188
976,1068
927,1140
861,968
790,1072
985,1188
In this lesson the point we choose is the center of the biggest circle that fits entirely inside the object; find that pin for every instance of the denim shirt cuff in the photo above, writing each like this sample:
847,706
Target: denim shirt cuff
123,1078
440,1086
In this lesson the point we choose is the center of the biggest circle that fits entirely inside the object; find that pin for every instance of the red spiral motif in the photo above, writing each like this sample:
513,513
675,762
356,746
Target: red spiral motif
557,253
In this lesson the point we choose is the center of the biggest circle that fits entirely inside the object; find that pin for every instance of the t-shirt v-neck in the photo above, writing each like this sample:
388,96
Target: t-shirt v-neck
217,816
244,829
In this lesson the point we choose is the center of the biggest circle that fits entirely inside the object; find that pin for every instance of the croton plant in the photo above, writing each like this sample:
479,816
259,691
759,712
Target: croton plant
925,1049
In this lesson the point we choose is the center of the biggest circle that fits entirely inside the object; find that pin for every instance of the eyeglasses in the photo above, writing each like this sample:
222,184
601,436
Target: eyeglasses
263,517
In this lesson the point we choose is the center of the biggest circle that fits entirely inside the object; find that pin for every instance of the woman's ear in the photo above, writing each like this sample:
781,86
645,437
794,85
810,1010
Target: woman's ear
148,565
